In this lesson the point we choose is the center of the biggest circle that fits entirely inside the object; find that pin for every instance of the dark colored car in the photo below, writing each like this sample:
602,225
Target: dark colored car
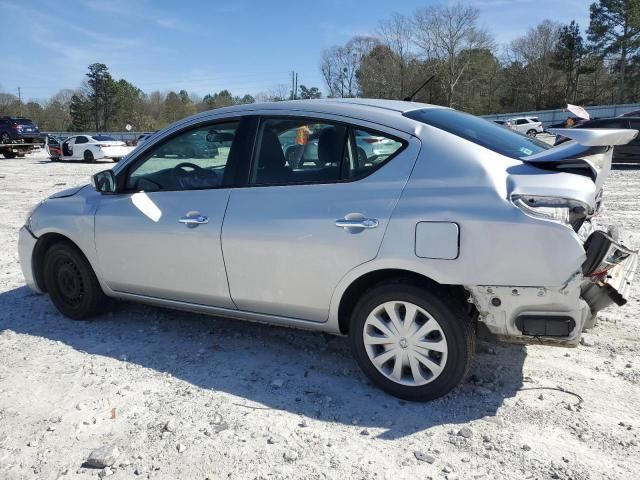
18,130
629,153
576,121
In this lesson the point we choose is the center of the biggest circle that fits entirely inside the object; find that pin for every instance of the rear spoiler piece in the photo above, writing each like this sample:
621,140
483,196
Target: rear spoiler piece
589,153
597,137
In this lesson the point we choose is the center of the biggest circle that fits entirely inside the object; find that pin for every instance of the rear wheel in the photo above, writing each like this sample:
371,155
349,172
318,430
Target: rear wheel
411,342
5,137
88,156
71,283
9,155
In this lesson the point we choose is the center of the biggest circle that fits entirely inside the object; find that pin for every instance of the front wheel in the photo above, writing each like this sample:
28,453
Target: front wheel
531,133
410,342
71,283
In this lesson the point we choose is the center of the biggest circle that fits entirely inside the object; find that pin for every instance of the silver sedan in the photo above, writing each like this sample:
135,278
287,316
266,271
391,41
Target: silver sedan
457,228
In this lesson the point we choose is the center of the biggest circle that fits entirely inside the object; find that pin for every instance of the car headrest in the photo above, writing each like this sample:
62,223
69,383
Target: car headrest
331,144
271,154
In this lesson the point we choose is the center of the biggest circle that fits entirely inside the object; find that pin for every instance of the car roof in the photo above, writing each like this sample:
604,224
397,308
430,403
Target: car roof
384,112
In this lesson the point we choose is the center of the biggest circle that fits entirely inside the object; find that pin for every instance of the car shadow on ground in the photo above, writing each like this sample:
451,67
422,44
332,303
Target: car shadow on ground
319,378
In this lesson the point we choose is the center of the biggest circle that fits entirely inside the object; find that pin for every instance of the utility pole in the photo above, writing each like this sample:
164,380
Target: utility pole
294,86
19,102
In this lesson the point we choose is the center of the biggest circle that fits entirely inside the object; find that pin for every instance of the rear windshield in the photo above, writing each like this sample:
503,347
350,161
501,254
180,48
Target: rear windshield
23,121
103,138
480,131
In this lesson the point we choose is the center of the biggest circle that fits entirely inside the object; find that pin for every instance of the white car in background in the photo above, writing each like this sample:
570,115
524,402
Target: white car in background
89,148
530,126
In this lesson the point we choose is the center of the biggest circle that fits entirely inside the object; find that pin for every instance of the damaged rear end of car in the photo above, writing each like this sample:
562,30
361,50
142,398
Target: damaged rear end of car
557,315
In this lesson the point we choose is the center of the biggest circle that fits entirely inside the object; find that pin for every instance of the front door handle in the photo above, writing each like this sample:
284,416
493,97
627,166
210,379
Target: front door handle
194,221
359,223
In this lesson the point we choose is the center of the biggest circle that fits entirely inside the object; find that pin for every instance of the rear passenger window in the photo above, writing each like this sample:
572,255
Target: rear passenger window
298,151
371,149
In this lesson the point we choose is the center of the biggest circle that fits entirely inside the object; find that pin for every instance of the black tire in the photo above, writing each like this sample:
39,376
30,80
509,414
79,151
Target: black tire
455,323
5,138
9,155
532,133
71,283
88,156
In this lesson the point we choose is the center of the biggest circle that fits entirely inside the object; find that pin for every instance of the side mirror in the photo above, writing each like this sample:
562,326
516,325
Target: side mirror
104,181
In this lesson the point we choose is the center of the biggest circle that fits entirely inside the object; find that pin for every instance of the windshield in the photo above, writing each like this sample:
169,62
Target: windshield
23,121
103,138
480,131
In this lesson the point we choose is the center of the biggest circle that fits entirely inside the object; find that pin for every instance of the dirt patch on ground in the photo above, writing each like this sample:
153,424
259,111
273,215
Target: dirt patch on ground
194,397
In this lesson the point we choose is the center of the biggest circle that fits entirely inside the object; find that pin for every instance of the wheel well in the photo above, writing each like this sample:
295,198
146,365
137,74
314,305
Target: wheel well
353,293
40,250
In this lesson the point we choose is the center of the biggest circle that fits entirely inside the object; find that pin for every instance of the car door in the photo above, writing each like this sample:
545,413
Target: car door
522,125
67,148
161,237
80,144
301,225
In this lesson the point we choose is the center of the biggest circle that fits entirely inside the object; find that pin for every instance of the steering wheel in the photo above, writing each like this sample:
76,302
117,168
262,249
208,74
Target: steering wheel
181,167
197,178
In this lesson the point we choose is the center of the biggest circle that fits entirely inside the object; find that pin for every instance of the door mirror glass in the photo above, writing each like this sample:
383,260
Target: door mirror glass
104,182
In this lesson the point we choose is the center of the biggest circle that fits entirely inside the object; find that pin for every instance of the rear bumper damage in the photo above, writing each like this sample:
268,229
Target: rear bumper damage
558,315
608,270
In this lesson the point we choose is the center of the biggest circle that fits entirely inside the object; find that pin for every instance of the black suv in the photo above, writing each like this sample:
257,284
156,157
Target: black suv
18,130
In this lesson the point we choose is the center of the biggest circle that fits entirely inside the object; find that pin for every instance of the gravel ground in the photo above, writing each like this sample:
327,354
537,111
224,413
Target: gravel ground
177,395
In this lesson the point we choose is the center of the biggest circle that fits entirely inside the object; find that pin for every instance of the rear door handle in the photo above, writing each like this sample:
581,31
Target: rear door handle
194,221
360,223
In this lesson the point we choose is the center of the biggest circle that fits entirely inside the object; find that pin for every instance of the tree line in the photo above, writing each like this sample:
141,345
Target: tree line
549,66
104,104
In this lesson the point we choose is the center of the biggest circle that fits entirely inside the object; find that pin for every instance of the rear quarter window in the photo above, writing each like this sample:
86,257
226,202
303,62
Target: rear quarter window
480,131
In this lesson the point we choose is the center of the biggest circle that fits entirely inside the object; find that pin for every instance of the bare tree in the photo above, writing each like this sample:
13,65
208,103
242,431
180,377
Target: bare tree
340,65
442,33
535,52
396,34
278,93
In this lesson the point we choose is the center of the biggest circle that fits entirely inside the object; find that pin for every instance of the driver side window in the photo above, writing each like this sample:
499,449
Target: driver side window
192,160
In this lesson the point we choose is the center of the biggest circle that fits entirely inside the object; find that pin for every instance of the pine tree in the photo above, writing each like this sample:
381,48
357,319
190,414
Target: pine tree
615,30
